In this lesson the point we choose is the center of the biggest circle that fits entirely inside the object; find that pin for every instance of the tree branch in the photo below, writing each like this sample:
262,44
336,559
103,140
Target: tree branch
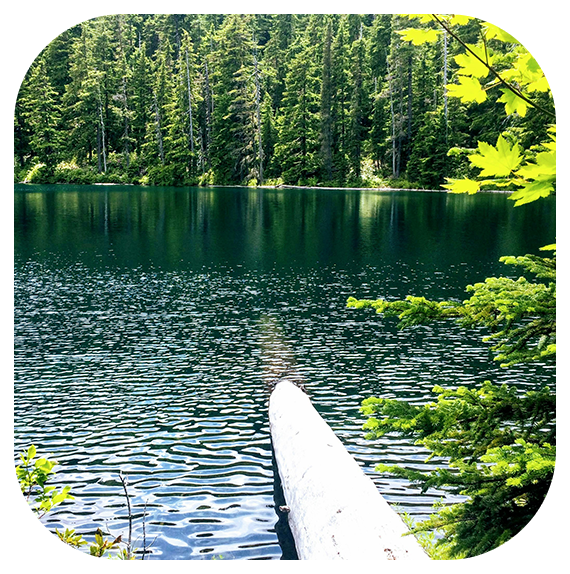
510,87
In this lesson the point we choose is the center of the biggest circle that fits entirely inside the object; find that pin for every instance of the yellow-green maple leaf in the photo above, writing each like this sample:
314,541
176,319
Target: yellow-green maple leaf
531,192
424,18
462,185
498,161
418,37
470,65
513,103
527,73
494,32
460,20
544,166
468,90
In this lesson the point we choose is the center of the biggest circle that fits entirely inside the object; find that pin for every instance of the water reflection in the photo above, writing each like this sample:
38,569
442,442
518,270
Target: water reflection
171,228
145,337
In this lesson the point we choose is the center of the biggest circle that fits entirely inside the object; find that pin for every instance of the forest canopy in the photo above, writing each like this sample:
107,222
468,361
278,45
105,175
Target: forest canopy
323,99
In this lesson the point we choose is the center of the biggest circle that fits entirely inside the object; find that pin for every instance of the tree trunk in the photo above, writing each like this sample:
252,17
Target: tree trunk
393,118
335,511
190,107
258,117
445,81
158,130
102,133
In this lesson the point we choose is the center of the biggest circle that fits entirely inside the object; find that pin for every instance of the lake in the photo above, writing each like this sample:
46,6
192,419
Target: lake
150,323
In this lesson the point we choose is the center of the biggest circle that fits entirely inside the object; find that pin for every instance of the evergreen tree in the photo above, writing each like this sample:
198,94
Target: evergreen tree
340,101
276,55
326,107
298,150
42,114
358,107
233,127
141,95
371,94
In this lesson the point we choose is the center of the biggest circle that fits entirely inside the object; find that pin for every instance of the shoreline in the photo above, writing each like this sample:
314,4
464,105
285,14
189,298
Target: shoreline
273,187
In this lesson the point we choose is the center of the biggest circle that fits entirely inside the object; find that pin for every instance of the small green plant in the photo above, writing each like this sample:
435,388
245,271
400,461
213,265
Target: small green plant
102,545
32,475
69,537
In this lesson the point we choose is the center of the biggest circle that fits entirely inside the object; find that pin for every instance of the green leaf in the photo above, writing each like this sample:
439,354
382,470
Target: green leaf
418,37
545,166
462,185
45,465
531,192
494,32
31,452
470,65
498,161
424,18
527,73
460,20
513,103
468,90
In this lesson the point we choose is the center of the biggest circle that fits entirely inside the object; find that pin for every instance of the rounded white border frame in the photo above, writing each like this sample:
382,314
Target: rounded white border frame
28,542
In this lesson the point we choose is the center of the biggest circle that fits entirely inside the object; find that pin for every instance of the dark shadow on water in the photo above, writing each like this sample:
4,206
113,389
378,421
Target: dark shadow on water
284,534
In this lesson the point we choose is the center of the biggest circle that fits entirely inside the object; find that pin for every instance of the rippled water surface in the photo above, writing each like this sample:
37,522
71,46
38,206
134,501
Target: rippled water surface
149,324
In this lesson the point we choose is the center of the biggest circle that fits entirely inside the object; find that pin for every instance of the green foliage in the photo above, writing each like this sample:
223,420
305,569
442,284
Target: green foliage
33,474
497,448
535,178
519,79
177,99
102,544
520,314
69,537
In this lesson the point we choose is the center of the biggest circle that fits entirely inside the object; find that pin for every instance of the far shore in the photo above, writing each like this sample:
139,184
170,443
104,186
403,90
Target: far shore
279,186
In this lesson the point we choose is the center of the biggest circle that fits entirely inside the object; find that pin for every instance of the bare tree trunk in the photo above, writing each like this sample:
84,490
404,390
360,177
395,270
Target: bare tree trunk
158,130
409,97
98,147
190,106
445,80
126,132
393,118
102,130
209,110
258,117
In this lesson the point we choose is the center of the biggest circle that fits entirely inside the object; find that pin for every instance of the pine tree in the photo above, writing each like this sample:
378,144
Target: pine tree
340,101
141,96
358,107
276,55
233,118
298,150
326,107
42,114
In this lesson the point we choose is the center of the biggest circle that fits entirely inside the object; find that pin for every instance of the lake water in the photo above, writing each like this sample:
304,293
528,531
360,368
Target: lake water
149,323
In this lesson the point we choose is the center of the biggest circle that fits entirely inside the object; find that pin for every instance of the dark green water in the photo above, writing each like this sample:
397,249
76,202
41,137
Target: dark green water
149,322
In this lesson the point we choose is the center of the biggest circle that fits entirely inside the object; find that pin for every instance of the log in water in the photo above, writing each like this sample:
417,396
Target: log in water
335,510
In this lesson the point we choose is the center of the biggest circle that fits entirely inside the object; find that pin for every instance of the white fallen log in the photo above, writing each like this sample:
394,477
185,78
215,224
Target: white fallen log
335,510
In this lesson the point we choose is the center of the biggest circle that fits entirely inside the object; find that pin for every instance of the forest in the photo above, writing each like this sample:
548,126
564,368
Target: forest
357,100
212,99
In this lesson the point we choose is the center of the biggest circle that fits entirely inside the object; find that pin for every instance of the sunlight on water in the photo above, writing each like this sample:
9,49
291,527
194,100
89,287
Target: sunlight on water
149,325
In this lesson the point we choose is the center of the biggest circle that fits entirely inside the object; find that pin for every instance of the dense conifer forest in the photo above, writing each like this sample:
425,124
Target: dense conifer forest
199,99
